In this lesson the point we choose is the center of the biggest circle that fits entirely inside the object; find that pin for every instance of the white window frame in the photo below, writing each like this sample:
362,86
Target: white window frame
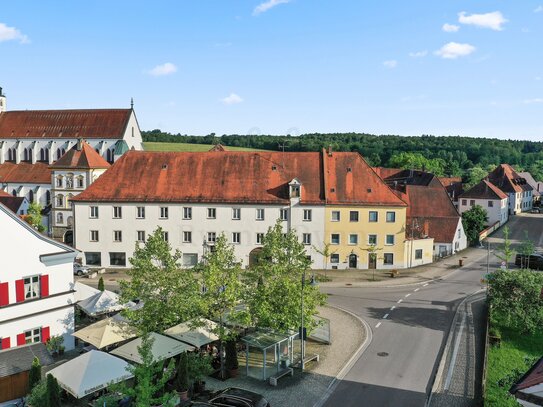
32,287
260,214
306,238
212,213
165,236
236,213
140,236
351,235
391,214
337,218
259,238
393,240
91,237
187,236
117,212
369,238
283,214
332,238
117,236
211,237
308,215
93,212
140,212
351,213
187,212
376,216
32,335
164,212
236,237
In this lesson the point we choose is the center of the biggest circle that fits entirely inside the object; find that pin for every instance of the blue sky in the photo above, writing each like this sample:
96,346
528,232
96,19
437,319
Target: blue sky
284,66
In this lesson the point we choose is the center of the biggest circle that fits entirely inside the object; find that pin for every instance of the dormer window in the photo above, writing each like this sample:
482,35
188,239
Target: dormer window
295,191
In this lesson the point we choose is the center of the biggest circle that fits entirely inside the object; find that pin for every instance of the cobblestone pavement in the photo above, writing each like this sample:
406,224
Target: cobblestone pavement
459,376
306,389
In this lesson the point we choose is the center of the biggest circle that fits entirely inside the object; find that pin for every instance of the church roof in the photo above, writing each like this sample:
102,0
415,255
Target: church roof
54,124
82,155
25,173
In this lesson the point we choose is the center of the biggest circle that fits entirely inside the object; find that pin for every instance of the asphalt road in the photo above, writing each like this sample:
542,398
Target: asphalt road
410,325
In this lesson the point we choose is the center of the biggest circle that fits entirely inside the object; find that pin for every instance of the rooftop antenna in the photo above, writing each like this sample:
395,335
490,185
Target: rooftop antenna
131,103
282,148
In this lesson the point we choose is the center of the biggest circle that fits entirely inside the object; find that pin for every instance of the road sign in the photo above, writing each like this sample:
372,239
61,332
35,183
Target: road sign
502,265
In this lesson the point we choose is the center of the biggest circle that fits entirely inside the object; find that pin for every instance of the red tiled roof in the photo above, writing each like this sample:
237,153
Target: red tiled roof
533,377
25,173
81,156
508,180
239,177
385,173
443,229
484,190
4,193
218,147
83,123
11,202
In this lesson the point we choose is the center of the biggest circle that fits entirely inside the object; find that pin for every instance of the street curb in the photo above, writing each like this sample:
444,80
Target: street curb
356,355
444,352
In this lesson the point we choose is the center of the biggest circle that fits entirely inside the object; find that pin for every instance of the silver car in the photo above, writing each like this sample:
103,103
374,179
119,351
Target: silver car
80,270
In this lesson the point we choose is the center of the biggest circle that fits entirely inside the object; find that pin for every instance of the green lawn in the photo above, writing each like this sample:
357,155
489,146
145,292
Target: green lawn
154,146
504,359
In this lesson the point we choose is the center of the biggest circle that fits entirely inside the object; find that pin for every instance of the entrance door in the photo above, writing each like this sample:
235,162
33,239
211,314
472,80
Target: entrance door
353,260
372,262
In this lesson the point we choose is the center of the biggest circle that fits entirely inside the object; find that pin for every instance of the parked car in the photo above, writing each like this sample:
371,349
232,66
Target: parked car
534,261
80,270
535,210
235,397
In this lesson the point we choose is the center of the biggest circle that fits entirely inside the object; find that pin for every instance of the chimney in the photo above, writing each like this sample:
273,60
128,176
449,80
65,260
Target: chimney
426,228
329,150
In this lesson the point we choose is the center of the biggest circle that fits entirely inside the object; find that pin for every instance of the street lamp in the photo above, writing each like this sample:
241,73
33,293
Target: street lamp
302,333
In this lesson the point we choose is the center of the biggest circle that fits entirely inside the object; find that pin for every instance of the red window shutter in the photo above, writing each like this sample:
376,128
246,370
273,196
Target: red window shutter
4,294
6,344
44,285
21,339
45,334
20,290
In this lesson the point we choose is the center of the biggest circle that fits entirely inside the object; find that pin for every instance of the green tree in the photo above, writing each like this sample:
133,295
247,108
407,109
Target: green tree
326,251
169,293
505,252
474,222
182,376
38,394
101,284
221,274
474,176
373,252
527,248
275,284
34,217
53,392
34,376
515,297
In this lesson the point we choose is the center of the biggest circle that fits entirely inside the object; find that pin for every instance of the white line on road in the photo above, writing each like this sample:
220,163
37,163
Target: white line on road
378,325
417,289
399,301
386,316
407,295
392,308
455,353
424,285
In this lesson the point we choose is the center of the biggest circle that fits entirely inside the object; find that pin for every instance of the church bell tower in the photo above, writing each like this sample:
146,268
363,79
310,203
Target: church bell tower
3,106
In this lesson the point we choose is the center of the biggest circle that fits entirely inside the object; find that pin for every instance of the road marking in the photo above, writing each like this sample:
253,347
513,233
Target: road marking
455,354
399,301
378,325
386,316
407,295
417,289
424,285
392,308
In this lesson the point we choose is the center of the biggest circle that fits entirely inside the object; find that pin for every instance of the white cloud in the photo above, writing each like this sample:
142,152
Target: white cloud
165,69
232,99
450,28
263,7
538,9
391,63
453,50
418,54
532,101
493,20
12,34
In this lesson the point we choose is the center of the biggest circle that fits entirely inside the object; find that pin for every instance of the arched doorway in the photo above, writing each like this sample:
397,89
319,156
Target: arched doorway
69,237
254,256
353,261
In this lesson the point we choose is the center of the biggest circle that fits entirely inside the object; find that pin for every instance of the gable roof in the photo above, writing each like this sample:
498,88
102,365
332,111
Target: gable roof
11,202
508,180
82,155
533,377
484,190
537,186
25,173
81,123
240,177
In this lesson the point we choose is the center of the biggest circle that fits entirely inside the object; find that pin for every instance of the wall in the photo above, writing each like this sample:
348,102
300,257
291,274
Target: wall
411,246
497,213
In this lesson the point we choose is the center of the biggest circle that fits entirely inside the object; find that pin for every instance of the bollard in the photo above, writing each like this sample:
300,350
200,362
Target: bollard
460,262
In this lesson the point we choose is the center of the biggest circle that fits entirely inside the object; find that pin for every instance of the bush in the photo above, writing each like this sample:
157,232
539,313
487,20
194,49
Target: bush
34,376
182,377
101,284
38,394
53,392
199,366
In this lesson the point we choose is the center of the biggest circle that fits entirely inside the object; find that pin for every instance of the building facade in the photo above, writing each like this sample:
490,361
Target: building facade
516,187
36,285
488,196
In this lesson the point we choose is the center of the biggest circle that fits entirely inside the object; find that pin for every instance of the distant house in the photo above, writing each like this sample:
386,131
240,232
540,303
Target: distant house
528,390
536,185
515,186
490,198
18,205
453,186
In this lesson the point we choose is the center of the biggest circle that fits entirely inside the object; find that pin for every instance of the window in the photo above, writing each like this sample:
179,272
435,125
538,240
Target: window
464,202
187,237
93,235
459,233
389,239
93,258
140,212
60,218
211,213
259,238
117,259
295,191
80,183
59,181
187,213
163,212
372,239
260,214
353,239
353,216
236,213
490,204
334,258
211,237
307,215
334,238
236,237
418,254
140,236
165,236
117,236
373,216
33,335
388,258
336,216
117,212
190,259
391,217
306,237
283,214
471,202
94,212
60,201
32,287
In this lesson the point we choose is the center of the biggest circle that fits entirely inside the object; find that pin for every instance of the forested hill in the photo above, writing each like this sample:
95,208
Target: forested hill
452,156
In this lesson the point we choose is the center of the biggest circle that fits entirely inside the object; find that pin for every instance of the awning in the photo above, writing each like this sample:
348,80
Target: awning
195,336
84,291
162,348
90,372
102,302
106,332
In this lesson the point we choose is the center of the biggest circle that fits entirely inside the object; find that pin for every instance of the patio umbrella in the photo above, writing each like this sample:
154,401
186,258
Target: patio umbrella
84,291
162,348
198,337
90,372
106,332
102,302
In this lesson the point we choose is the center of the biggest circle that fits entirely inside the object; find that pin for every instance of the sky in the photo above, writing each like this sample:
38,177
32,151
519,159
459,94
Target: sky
283,66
